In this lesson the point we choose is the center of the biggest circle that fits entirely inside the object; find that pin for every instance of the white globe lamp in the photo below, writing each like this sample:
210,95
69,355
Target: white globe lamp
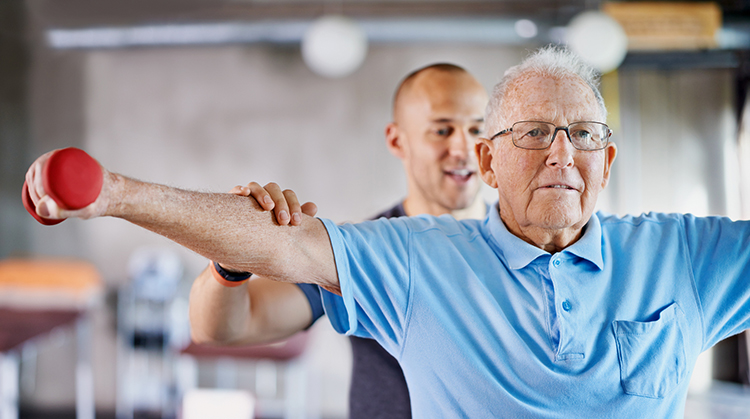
598,39
334,46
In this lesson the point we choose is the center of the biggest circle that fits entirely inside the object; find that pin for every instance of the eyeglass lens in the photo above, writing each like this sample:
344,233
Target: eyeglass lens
539,135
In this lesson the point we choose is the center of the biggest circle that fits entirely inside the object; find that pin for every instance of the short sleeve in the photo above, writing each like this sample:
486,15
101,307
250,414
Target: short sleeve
312,293
720,256
372,265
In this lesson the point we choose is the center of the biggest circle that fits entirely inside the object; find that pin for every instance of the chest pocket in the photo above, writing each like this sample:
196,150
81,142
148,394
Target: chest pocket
651,354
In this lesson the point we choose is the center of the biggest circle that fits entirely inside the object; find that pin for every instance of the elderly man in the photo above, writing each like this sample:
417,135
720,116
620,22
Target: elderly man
438,114
544,309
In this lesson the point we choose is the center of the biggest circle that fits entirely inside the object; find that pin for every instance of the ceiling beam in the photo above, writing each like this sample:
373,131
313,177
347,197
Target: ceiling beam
88,13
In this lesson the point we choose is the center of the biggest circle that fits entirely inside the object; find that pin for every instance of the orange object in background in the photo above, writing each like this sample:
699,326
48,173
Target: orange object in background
49,284
36,297
667,25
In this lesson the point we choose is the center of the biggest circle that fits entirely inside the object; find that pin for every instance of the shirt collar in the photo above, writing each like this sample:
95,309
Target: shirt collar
589,246
519,253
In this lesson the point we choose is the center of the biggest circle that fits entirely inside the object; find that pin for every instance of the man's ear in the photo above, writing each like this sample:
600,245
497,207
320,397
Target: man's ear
484,148
393,140
609,157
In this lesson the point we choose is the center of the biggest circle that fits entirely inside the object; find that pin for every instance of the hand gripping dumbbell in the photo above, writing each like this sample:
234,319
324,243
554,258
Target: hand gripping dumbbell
72,178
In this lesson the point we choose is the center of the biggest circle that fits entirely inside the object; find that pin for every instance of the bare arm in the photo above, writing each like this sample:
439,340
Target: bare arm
229,229
260,310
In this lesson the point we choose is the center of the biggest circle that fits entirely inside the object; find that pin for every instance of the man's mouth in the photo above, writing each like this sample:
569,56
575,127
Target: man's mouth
460,175
558,186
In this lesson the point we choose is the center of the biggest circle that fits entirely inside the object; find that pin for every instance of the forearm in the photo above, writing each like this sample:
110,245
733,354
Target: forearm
217,226
218,314
229,229
257,311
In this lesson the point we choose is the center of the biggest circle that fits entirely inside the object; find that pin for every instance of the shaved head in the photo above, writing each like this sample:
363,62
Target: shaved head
407,86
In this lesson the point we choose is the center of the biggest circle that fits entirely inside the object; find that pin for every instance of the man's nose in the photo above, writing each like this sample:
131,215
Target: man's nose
459,144
561,151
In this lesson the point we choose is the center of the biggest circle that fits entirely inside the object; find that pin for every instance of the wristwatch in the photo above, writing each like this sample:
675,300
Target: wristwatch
228,278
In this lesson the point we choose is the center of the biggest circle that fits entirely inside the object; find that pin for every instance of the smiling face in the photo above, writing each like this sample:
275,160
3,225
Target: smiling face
437,120
546,196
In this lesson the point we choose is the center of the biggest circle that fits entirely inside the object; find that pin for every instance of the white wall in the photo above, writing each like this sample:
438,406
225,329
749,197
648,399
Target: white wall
677,143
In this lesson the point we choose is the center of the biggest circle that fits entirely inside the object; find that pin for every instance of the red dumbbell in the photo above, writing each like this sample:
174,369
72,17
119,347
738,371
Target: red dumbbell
72,178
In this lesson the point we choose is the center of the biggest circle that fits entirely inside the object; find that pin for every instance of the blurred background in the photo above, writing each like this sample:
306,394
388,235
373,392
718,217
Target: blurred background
208,94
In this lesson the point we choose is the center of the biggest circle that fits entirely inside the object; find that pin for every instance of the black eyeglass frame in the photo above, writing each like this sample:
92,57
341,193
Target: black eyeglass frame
554,135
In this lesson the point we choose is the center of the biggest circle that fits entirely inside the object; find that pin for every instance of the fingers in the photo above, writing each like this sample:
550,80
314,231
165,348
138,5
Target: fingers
294,207
47,208
309,208
240,191
34,179
280,208
263,195
256,191
284,203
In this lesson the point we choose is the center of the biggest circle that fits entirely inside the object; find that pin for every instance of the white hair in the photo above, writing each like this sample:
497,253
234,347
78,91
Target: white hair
551,61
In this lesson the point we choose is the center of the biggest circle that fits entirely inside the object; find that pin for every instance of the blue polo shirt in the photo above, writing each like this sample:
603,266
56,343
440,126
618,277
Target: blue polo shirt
487,325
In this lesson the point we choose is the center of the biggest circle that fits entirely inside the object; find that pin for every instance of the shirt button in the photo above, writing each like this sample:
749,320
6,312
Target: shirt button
556,263
566,305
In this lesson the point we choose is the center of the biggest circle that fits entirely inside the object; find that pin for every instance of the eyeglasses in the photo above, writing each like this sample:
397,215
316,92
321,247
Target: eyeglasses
537,135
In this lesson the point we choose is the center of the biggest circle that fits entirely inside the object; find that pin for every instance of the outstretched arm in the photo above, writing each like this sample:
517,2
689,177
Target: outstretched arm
260,310
226,228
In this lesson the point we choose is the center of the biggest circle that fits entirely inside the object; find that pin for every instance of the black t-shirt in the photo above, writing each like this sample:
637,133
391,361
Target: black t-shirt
378,388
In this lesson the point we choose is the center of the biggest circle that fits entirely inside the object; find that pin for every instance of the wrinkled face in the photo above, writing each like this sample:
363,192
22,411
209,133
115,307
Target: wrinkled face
553,189
438,124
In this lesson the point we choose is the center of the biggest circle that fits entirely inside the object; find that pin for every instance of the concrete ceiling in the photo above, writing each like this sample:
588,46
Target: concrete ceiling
88,13
169,22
